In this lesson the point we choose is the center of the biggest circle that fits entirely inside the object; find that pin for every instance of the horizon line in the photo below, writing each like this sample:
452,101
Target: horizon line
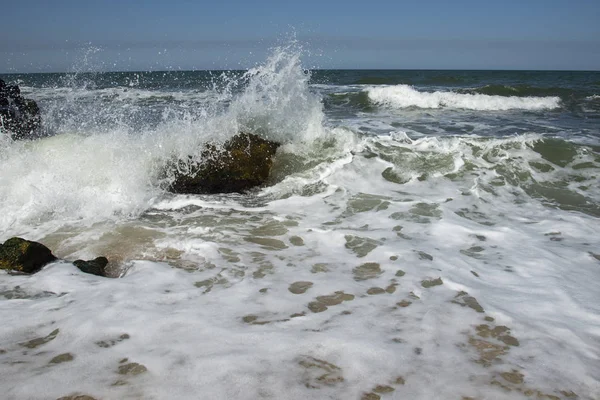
309,69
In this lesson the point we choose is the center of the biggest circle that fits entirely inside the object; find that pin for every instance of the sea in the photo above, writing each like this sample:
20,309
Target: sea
423,235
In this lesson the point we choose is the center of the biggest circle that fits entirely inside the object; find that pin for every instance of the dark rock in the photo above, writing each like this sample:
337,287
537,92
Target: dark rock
242,163
18,115
24,256
96,266
77,397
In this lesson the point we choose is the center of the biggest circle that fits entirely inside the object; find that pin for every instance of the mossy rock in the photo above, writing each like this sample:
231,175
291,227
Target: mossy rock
242,163
22,255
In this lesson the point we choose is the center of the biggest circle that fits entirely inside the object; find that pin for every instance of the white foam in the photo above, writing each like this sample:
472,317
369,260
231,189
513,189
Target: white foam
70,177
404,96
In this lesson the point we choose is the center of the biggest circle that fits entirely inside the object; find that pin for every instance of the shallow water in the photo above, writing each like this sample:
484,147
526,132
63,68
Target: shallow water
437,240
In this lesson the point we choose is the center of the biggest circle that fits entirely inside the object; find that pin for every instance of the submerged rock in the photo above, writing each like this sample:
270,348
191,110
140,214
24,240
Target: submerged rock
22,255
242,163
18,115
76,397
96,266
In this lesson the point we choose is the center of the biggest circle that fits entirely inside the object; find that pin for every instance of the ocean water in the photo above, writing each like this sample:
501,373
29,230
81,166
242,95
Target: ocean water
425,235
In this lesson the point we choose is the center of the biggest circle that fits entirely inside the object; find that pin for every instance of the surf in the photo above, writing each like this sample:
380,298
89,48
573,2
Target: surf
405,96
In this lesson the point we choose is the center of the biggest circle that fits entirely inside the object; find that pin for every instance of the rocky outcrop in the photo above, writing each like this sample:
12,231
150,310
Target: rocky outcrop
18,116
240,164
96,266
22,255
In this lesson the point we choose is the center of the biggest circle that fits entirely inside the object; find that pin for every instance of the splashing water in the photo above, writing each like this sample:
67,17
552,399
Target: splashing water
110,144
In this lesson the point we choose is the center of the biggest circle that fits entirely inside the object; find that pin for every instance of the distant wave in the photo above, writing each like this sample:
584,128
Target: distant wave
519,91
377,80
397,80
404,96
444,79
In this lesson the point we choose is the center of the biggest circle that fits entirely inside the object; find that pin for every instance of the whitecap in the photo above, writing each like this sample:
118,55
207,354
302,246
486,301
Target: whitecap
404,96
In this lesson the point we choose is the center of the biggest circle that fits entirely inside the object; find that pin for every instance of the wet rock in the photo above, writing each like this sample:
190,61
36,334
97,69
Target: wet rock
391,288
404,303
323,302
300,287
297,241
96,266
361,246
112,342
370,396
513,377
366,271
375,290
249,318
317,307
319,373
132,369
267,243
18,115
61,358
488,352
383,389
37,342
463,299
335,299
427,283
502,333
22,255
319,268
242,163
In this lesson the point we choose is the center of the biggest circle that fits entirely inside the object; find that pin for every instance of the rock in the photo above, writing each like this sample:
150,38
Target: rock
242,163
96,266
24,256
77,397
132,369
18,115
62,358
17,254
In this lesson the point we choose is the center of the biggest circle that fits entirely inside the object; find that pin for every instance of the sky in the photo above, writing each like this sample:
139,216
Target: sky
134,35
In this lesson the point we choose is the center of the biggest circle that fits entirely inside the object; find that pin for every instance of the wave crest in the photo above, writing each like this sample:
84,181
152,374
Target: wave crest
405,96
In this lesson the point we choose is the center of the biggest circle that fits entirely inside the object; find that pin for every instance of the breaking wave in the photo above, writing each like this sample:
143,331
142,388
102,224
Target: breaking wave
108,148
520,91
405,96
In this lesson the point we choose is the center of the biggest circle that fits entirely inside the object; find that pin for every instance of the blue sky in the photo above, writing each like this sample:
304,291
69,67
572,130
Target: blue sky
66,35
